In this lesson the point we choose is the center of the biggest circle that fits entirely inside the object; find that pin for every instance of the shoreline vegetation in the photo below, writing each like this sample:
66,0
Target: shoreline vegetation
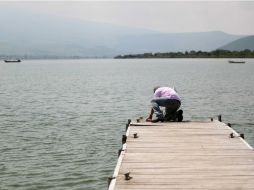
187,54
192,54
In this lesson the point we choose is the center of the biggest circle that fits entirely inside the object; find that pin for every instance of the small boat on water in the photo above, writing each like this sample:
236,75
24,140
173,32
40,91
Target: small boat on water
12,61
231,61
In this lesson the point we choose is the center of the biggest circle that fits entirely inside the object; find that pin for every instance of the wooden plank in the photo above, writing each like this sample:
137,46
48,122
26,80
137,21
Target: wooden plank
186,155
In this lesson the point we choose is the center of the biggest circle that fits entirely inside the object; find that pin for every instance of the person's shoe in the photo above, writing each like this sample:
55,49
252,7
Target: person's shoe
180,116
157,120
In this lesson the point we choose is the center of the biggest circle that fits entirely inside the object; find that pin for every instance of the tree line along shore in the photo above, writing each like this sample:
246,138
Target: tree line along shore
193,54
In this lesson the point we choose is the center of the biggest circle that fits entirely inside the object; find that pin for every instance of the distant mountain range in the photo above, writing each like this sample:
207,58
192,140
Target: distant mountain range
240,44
43,36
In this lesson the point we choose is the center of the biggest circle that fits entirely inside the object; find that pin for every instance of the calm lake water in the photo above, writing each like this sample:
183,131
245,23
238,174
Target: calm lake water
61,121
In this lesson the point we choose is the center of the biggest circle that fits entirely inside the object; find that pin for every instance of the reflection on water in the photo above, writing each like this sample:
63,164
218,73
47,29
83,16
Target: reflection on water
62,120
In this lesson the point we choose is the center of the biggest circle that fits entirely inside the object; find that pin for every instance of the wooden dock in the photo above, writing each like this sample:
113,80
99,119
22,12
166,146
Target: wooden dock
183,155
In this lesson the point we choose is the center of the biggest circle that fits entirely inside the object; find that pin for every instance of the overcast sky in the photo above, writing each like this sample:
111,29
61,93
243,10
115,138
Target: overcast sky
234,17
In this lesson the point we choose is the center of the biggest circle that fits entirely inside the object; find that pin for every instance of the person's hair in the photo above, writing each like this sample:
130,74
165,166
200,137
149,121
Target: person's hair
155,88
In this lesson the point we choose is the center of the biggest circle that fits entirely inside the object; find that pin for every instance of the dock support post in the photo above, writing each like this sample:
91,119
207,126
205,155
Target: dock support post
127,124
219,118
119,152
124,138
109,180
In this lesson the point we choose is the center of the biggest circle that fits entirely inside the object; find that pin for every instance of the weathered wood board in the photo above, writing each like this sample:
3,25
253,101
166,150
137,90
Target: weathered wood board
184,155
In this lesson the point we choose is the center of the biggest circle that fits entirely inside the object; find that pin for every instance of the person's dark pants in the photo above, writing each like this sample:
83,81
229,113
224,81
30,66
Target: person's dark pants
171,107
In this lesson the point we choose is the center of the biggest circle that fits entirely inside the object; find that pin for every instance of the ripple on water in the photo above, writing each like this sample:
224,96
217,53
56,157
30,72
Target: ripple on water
61,121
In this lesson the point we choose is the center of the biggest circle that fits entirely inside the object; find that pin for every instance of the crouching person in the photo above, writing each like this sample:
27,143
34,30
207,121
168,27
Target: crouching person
169,99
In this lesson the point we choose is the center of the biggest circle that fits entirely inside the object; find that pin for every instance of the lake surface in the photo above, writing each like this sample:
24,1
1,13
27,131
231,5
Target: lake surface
61,121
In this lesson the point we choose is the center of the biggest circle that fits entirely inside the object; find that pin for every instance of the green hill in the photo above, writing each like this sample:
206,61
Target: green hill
240,44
